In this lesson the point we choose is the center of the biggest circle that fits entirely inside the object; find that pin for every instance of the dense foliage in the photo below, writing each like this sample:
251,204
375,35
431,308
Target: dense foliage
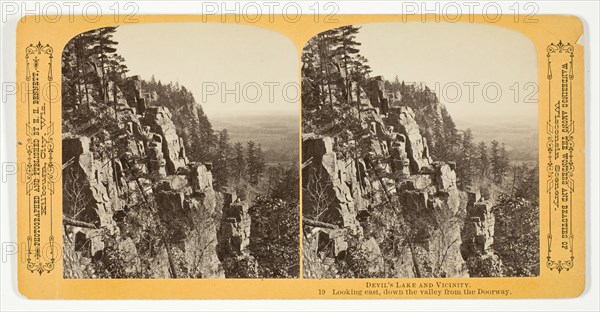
275,244
517,236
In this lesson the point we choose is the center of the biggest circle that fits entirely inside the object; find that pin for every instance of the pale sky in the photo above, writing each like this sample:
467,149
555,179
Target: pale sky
454,54
208,58
252,63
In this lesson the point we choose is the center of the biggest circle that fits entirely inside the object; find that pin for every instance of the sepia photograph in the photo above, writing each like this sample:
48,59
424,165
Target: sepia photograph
177,160
420,152
178,156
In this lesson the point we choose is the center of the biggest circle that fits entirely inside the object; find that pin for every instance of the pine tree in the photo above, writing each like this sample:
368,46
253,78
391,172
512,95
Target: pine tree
86,61
251,161
397,85
496,162
70,78
116,69
324,46
260,161
221,165
526,184
103,46
483,163
312,92
347,50
285,184
88,65
466,164
79,52
239,161
255,160
451,136
361,70
331,63
504,160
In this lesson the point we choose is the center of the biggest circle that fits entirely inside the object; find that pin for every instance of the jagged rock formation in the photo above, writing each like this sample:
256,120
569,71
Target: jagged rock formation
478,230
234,238
409,139
158,119
235,225
343,190
139,176
140,160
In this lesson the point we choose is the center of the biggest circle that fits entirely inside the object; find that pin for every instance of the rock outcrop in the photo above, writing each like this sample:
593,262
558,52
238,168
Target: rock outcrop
415,146
478,231
173,150
337,182
235,226
342,190
139,176
234,239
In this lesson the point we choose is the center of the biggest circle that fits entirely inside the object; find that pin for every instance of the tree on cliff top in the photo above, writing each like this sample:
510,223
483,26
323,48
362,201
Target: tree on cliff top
347,50
78,76
104,45
331,63
88,64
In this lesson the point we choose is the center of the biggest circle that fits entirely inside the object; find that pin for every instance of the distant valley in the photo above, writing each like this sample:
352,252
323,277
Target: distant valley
278,135
520,137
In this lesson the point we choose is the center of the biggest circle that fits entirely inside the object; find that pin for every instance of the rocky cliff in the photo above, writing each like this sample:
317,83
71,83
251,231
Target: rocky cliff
135,206
373,197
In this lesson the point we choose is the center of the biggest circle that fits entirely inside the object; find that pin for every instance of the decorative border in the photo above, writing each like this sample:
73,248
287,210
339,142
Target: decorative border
40,170
560,185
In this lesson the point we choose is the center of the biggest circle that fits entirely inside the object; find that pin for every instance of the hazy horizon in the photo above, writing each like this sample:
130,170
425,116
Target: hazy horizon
204,56
445,56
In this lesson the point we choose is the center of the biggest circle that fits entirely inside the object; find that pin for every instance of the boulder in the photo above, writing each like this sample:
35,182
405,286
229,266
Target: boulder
421,182
155,157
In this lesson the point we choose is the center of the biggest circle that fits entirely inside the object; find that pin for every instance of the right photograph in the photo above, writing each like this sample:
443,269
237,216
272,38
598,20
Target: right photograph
420,152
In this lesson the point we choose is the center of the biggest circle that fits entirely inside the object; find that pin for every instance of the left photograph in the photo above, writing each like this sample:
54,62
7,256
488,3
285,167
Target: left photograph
180,147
